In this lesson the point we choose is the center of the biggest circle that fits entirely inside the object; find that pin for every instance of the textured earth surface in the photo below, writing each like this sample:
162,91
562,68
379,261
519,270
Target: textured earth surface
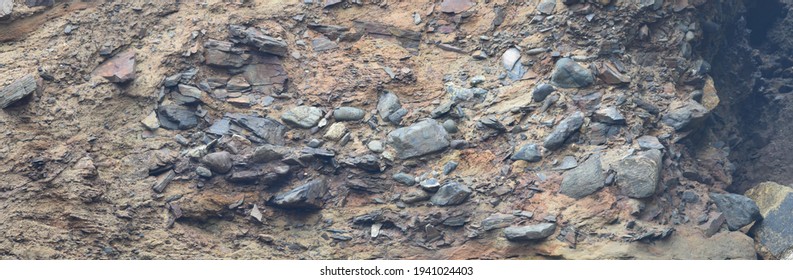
377,129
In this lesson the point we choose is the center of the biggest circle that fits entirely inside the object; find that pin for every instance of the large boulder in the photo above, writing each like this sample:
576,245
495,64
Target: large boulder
307,197
638,176
564,130
739,210
421,138
775,231
583,180
18,90
529,233
570,74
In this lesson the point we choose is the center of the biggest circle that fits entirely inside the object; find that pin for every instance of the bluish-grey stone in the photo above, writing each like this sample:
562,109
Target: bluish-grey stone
422,138
570,74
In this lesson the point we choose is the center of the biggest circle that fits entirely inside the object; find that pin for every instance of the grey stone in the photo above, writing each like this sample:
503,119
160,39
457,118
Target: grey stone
449,167
528,152
528,233
546,6
302,116
422,138
348,114
254,37
415,196
190,94
405,179
458,144
442,109
322,43
309,196
609,115
511,62
176,117
681,116
163,180
224,54
570,74
388,104
397,116
450,126
564,130
638,176
585,179
541,91
218,162
173,80
497,221
237,83
375,146
648,142
775,231
739,210
18,90
451,193
203,172
430,184
464,94
267,130
268,76
568,162
6,7
477,80
267,153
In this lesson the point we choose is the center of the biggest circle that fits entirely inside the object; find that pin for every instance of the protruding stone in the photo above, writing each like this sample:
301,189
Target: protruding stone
335,132
419,139
683,115
302,116
564,130
405,179
348,114
309,196
529,233
609,115
570,74
218,162
546,7
456,6
388,104
151,122
638,176
176,117
254,37
451,193
739,210
775,231
119,69
528,152
541,91
6,7
18,90
585,179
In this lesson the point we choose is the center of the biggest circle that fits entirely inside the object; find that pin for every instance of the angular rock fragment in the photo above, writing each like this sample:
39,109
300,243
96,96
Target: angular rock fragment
683,115
176,117
451,193
566,128
407,38
609,74
529,233
570,74
224,54
6,7
541,91
265,129
775,231
335,132
18,90
267,153
254,37
322,43
388,105
119,69
163,181
739,210
419,139
546,6
268,76
528,152
638,176
497,221
511,62
583,180
151,122
405,179
309,196
648,142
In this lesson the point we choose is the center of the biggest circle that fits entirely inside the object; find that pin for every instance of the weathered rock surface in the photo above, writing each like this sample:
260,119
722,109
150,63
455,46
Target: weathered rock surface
570,74
583,180
528,152
739,210
451,193
775,231
638,176
683,115
348,114
18,90
307,197
6,7
541,91
302,116
566,128
254,37
529,233
218,162
176,117
119,69
422,138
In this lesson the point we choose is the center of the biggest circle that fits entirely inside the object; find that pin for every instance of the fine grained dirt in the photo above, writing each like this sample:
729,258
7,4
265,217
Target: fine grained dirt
78,124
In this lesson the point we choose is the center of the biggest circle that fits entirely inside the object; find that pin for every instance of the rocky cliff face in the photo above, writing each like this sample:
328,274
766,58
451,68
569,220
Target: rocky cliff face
450,129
